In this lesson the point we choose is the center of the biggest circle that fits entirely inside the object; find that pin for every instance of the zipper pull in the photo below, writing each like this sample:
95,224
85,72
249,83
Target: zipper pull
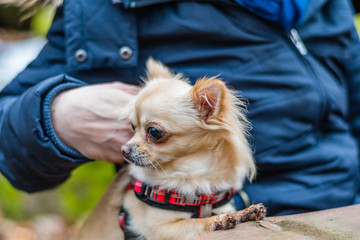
297,41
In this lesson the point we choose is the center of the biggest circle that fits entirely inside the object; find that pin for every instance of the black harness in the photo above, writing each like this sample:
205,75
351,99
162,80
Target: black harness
200,205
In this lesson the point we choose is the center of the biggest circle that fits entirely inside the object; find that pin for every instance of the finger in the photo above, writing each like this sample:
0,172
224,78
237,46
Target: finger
113,157
102,154
131,89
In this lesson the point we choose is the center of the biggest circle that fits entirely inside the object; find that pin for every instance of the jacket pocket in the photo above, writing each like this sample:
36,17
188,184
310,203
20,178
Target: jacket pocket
99,35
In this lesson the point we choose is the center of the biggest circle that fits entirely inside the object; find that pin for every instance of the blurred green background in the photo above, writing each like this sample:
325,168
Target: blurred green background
77,196
74,199
357,22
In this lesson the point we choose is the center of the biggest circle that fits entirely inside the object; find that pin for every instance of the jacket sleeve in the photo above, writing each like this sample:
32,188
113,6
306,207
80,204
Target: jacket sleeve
287,13
31,156
353,71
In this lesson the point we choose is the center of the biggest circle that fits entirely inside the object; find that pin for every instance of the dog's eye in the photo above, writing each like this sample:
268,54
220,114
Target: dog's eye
133,127
154,134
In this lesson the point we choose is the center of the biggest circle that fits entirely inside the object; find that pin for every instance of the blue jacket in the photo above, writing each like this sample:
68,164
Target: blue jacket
304,102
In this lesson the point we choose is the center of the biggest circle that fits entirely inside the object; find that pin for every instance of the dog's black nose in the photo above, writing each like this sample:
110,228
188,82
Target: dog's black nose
126,150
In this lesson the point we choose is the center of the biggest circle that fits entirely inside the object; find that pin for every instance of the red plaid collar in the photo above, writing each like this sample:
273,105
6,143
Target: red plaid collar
200,204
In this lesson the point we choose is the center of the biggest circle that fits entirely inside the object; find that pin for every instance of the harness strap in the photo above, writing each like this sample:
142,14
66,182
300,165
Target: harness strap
123,219
200,204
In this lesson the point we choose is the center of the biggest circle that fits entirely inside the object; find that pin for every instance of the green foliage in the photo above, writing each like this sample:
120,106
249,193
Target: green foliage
76,197
357,22
41,21
11,200
82,191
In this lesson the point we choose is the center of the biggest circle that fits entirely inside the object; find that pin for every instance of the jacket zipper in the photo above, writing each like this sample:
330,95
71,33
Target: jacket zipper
296,40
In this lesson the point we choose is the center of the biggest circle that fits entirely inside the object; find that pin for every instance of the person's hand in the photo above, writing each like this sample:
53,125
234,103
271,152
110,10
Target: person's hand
87,119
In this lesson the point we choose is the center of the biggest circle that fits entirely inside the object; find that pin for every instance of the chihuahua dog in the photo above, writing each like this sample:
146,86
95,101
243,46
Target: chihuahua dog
187,157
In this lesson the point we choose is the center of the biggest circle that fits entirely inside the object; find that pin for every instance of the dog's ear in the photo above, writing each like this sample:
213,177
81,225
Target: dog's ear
208,96
156,69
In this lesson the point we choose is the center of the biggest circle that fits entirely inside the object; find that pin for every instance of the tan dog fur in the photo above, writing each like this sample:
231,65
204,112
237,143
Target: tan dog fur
103,223
203,148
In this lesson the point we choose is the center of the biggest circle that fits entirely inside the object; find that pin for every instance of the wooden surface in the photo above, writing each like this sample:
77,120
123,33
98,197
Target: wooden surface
333,224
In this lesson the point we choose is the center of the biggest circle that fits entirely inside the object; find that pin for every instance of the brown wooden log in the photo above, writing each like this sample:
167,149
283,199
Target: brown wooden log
333,224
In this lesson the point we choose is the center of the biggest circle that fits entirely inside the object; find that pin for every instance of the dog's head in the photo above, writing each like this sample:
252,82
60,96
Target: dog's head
182,129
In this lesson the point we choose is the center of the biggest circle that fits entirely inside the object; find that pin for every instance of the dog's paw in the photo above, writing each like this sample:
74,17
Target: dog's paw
224,221
254,212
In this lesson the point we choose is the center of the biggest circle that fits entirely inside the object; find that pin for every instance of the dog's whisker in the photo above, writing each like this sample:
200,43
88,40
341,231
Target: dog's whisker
163,170
152,164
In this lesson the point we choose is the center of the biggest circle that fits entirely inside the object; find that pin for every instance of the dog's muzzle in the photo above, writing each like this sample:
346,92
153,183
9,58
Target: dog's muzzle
133,155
